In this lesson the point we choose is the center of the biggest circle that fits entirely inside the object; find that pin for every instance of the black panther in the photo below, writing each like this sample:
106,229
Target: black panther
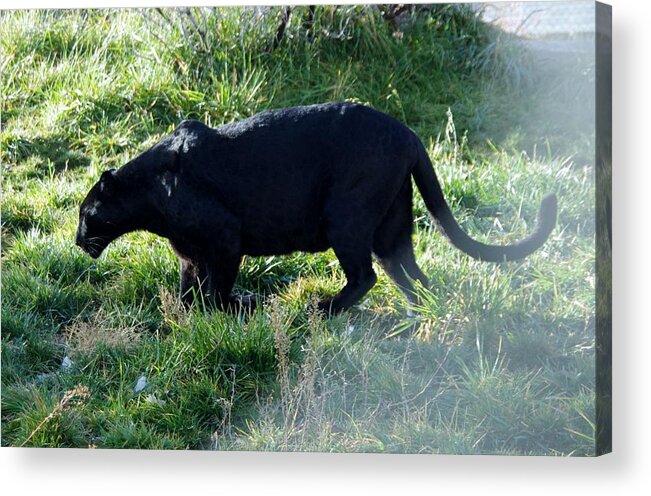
334,175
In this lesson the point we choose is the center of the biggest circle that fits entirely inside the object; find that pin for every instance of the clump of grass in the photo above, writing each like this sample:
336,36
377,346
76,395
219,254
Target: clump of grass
84,337
70,398
172,309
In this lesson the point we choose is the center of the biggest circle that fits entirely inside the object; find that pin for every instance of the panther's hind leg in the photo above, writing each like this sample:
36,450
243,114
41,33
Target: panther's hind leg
400,265
350,236
393,247
360,278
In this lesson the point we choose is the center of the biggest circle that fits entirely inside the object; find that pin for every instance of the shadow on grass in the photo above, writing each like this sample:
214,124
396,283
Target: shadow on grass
53,152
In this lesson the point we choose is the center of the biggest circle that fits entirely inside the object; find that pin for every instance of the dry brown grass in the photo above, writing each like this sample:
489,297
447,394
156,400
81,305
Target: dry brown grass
172,309
102,329
79,392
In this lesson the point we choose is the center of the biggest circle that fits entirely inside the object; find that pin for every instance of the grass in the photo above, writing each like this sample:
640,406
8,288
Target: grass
501,357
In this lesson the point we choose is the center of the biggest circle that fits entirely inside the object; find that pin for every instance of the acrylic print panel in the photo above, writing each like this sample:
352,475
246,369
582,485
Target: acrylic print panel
510,102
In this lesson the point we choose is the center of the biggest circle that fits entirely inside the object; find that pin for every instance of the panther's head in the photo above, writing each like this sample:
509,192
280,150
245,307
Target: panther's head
102,215
129,199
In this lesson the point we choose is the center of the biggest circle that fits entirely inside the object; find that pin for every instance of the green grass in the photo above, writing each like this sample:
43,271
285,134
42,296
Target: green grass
500,358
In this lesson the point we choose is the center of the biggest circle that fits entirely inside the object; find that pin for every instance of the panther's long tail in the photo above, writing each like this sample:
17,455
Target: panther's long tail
430,189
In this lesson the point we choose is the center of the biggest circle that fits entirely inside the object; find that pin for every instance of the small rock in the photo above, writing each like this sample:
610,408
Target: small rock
141,384
66,364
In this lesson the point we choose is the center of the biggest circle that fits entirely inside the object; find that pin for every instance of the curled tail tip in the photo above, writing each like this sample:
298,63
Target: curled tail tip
548,213
550,200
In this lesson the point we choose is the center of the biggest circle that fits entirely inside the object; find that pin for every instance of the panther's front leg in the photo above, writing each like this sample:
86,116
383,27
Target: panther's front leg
194,281
222,268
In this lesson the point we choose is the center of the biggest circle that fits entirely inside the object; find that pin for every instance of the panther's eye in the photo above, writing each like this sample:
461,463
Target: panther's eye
91,209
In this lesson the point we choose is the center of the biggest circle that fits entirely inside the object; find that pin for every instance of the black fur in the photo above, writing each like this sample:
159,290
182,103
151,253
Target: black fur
299,179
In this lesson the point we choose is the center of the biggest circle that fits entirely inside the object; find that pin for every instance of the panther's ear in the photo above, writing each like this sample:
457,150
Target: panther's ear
107,182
